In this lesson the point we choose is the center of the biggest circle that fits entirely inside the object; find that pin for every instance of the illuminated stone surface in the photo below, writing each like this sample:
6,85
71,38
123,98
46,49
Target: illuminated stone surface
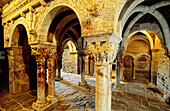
99,34
73,97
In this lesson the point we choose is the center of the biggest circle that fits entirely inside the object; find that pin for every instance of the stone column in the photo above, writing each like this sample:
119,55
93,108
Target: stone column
104,53
40,81
59,65
40,52
167,94
154,66
117,77
82,70
134,68
95,70
51,76
91,66
117,88
87,64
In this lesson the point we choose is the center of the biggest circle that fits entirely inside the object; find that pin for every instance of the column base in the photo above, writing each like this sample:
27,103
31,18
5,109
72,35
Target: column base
51,99
166,98
58,78
38,105
117,91
84,83
152,84
42,107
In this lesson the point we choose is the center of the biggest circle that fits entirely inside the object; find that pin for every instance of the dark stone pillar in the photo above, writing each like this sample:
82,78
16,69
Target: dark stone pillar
82,70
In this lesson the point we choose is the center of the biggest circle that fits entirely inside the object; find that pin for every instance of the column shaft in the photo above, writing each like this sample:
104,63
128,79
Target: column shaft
117,82
154,65
40,80
103,88
51,81
82,70
59,65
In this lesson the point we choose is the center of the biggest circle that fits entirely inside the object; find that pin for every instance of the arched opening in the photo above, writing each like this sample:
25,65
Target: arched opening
128,65
64,31
144,46
69,58
25,70
28,59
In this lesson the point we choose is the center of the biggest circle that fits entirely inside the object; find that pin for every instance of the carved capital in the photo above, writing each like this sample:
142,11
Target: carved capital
104,52
43,50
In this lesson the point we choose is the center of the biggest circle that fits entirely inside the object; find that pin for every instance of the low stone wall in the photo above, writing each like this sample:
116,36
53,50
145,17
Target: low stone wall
163,71
69,62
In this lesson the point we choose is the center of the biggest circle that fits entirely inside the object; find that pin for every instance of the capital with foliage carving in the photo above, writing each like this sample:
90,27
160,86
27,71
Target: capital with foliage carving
41,51
104,51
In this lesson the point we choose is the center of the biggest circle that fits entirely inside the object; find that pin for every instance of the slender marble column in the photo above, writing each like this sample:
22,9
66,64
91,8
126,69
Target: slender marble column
51,81
154,66
103,88
104,53
82,70
40,81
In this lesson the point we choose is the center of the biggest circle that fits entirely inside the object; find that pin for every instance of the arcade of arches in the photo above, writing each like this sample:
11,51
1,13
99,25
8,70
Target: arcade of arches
118,51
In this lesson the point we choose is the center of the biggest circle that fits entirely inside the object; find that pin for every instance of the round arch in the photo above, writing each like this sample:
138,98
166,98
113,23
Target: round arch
47,20
16,34
144,10
121,17
145,32
142,54
15,31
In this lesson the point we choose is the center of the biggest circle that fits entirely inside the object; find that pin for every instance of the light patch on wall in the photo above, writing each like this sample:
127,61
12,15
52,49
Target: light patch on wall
2,55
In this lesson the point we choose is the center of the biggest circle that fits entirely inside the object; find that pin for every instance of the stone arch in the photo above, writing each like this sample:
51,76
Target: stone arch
69,39
142,54
71,45
15,31
156,14
135,3
135,7
141,8
125,40
119,10
47,20
142,68
69,57
127,66
145,32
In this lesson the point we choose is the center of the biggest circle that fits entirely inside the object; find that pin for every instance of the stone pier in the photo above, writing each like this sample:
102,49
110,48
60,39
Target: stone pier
104,48
41,51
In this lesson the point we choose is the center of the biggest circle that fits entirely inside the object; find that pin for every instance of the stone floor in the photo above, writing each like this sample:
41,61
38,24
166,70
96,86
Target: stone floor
136,97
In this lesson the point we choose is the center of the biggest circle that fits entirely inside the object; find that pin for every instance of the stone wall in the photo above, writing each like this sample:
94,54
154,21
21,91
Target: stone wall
163,71
69,62
18,76
96,17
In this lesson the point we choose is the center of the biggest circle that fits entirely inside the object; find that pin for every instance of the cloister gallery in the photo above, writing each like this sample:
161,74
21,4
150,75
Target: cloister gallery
85,55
